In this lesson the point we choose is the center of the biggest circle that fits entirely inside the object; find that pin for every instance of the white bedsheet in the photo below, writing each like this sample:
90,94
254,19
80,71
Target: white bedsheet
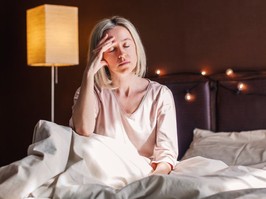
62,164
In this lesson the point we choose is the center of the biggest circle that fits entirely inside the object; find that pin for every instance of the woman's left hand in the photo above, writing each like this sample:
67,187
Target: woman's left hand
161,168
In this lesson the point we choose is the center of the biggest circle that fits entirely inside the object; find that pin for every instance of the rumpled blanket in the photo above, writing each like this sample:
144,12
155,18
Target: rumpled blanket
62,164
59,158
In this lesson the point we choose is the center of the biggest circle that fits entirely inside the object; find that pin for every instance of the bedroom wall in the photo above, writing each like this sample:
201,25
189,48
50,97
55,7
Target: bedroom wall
178,35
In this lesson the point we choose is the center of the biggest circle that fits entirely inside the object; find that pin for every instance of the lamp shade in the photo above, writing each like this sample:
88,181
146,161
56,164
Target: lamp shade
52,36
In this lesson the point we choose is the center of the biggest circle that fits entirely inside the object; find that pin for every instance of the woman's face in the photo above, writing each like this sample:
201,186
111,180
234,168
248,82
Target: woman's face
122,57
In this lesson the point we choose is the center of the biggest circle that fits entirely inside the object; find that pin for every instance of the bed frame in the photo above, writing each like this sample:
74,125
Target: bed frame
220,102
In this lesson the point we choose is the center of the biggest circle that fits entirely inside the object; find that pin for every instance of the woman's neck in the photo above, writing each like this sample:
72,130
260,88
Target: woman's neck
126,85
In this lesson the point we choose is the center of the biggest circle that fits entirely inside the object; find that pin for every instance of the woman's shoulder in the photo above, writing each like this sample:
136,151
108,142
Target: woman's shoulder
159,92
158,87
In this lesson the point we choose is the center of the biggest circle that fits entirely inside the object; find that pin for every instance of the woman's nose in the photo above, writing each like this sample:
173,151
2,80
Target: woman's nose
121,53
121,57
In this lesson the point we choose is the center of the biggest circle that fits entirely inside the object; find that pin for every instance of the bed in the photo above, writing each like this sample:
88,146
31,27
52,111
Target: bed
222,149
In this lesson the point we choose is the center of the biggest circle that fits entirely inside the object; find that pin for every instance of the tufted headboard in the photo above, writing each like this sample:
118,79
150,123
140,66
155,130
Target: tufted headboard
218,103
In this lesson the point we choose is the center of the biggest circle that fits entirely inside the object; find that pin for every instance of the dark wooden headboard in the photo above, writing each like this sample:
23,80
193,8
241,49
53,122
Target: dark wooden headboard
218,102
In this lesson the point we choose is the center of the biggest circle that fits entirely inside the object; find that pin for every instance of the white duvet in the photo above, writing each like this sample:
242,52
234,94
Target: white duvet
62,164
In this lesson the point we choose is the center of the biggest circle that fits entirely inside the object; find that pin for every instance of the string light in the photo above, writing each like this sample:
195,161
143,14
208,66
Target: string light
158,72
188,96
229,72
203,72
241,87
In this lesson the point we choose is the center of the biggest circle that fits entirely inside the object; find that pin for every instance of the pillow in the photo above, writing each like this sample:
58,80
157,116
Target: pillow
234,148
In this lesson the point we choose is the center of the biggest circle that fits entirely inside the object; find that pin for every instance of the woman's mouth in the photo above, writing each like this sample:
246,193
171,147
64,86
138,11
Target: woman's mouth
123,63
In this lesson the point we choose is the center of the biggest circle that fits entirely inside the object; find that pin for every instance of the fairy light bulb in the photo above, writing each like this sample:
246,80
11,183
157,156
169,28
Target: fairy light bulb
203,72
229,72
241,86
188,96
158,72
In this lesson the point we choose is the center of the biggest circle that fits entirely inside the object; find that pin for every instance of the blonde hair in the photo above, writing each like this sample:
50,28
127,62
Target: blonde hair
103,77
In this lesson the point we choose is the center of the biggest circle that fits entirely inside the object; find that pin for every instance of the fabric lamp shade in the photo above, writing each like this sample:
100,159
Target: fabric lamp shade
52,36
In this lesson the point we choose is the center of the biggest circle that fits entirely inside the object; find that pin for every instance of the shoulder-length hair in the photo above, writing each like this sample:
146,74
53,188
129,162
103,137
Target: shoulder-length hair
103,77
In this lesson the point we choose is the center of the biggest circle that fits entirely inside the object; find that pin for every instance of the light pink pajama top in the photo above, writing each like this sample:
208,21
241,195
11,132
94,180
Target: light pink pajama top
151,128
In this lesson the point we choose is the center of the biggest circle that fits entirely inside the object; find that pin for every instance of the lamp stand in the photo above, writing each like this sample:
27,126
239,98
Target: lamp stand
52,93
54,80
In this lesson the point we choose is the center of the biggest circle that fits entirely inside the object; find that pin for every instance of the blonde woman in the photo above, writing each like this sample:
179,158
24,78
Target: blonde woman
115,100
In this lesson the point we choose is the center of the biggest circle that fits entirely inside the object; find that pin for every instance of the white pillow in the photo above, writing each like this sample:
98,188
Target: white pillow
234,148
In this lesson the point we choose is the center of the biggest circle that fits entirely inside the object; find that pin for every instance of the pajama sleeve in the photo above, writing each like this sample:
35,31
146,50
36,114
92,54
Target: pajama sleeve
166,147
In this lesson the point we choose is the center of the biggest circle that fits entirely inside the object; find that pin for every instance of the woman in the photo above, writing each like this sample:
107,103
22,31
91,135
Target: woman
116,100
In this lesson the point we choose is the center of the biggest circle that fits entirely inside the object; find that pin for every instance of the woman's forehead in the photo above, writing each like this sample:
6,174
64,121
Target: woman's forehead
119,33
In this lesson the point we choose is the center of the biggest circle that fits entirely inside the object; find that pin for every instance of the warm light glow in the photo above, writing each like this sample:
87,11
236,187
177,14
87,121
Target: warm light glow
188,96
52,35
229,72
52,39
203,72
241,86
158,72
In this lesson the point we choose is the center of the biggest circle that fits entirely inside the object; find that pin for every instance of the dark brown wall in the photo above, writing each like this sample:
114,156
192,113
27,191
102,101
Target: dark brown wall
179,36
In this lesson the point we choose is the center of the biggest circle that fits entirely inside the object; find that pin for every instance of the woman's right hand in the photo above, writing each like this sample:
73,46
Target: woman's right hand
97,60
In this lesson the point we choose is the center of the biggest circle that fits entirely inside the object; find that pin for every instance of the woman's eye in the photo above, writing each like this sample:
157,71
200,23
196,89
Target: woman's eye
127,45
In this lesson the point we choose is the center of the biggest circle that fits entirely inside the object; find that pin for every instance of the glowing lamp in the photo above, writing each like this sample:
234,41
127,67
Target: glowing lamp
52,39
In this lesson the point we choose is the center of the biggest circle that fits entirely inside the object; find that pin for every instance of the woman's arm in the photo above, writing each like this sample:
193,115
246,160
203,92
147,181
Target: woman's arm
166,146
83,115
